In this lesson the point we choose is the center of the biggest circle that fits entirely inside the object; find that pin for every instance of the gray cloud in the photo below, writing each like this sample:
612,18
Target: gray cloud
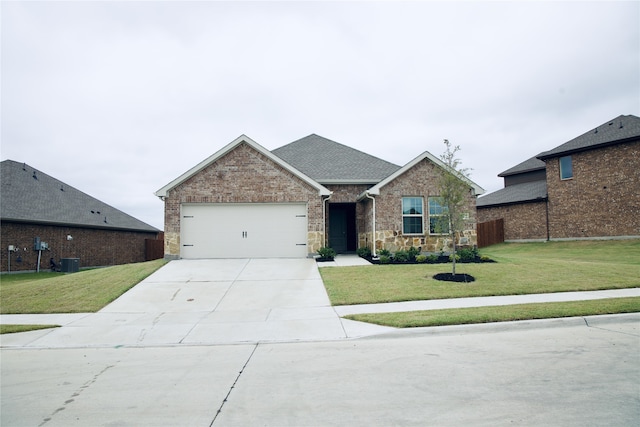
117,98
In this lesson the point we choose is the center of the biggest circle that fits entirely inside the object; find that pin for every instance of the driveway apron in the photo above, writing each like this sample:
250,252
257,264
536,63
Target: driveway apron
216,301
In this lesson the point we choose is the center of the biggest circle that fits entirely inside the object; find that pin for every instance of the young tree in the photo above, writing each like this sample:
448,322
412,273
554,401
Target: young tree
454,189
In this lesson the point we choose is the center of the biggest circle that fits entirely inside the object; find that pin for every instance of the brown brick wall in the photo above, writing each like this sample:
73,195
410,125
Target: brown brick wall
526,221
602,199
241,176
93,247
420,180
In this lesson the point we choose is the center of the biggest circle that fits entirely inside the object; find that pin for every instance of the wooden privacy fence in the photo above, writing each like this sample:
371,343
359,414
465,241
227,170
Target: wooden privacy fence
153,249
490,232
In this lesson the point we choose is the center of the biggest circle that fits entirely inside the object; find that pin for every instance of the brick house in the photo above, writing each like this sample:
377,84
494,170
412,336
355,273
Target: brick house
584,188
246,201
71,223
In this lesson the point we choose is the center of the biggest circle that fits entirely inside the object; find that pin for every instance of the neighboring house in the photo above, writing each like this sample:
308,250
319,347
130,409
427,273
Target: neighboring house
73,224
585,188
246,201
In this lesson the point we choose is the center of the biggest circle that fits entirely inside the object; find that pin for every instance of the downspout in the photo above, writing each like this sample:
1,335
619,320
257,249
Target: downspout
324,220
373,228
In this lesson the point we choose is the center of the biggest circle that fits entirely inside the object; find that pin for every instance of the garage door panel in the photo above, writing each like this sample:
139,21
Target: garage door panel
243,230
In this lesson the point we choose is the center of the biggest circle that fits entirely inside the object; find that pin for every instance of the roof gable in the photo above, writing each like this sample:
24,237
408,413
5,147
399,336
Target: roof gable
616,131
29,195
330,162
242,139
375,190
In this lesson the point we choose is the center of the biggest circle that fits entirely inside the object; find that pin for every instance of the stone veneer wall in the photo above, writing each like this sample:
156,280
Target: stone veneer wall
94,247
602,199
523,221
243,175
420,180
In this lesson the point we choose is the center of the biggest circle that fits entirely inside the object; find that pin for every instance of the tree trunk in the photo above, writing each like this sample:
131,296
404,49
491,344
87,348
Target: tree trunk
453,259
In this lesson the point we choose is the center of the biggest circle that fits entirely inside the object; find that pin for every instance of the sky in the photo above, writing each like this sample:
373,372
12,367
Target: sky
117,99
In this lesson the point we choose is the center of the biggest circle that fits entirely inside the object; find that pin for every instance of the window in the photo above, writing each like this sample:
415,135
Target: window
566,168
438,216
412,215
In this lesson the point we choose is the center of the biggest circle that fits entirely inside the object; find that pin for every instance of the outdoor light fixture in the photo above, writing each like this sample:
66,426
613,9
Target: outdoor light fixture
69,237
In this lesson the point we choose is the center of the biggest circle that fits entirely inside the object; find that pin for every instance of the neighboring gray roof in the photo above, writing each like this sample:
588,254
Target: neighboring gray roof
329,162
517,193
621,129
45,200
529,165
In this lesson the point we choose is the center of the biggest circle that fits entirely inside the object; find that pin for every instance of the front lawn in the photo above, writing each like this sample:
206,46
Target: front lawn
81,292
521,268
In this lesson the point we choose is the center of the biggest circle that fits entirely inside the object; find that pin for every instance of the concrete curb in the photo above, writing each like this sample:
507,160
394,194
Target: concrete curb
519,325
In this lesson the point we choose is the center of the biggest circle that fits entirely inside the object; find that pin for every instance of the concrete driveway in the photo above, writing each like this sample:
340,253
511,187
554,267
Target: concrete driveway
210,302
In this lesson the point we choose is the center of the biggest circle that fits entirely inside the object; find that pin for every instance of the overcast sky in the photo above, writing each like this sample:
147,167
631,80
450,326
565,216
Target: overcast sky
119,98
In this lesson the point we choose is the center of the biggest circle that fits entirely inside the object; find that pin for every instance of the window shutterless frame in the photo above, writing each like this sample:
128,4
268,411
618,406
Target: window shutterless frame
413,215
566,167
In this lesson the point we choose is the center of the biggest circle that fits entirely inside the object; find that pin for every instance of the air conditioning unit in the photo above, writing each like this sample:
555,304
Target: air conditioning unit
69,265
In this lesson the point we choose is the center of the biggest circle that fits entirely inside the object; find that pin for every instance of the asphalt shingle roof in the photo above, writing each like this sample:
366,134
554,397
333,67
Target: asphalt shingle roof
528,165
517,193
328,162
622,128
30,195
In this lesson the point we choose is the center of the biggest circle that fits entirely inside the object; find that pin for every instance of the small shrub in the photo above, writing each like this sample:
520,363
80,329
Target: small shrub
401,256
327,253
384,252
432,259
451,257
421,258
467,255
384,259
485,258
364,252
413,253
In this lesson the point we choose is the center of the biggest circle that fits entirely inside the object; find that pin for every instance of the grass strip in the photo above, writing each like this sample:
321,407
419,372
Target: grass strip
12,329
86,291
505,313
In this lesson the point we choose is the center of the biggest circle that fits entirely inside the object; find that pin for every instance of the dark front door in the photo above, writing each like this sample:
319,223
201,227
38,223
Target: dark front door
342,227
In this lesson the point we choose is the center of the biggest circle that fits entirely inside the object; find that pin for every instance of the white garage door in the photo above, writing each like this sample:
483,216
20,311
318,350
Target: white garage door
256,230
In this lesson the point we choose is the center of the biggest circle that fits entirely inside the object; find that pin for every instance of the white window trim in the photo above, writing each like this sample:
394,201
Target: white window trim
560,167
435,216
412,215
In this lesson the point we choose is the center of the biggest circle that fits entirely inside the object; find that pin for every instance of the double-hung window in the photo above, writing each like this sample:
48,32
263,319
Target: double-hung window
438,216
566,168
412,217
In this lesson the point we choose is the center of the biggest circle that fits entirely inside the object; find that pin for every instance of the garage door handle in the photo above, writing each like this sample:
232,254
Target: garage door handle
244,234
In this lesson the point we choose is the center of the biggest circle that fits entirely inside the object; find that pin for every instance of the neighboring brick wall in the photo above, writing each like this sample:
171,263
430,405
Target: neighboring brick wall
94,247
524,221
242,176
420,180
602,199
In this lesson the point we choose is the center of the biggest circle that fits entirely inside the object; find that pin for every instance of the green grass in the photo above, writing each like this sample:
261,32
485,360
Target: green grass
11,329
83,292
521,268
461,316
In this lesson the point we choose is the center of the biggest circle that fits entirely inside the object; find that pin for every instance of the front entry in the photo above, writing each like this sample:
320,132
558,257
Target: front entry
342,227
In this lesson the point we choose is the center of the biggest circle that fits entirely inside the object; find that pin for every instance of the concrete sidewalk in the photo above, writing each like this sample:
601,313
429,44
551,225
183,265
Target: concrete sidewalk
395,307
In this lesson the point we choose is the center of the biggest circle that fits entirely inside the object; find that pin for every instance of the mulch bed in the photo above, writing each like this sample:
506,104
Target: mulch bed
460,278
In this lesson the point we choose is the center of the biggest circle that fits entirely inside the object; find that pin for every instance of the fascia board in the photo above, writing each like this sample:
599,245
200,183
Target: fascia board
229,147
